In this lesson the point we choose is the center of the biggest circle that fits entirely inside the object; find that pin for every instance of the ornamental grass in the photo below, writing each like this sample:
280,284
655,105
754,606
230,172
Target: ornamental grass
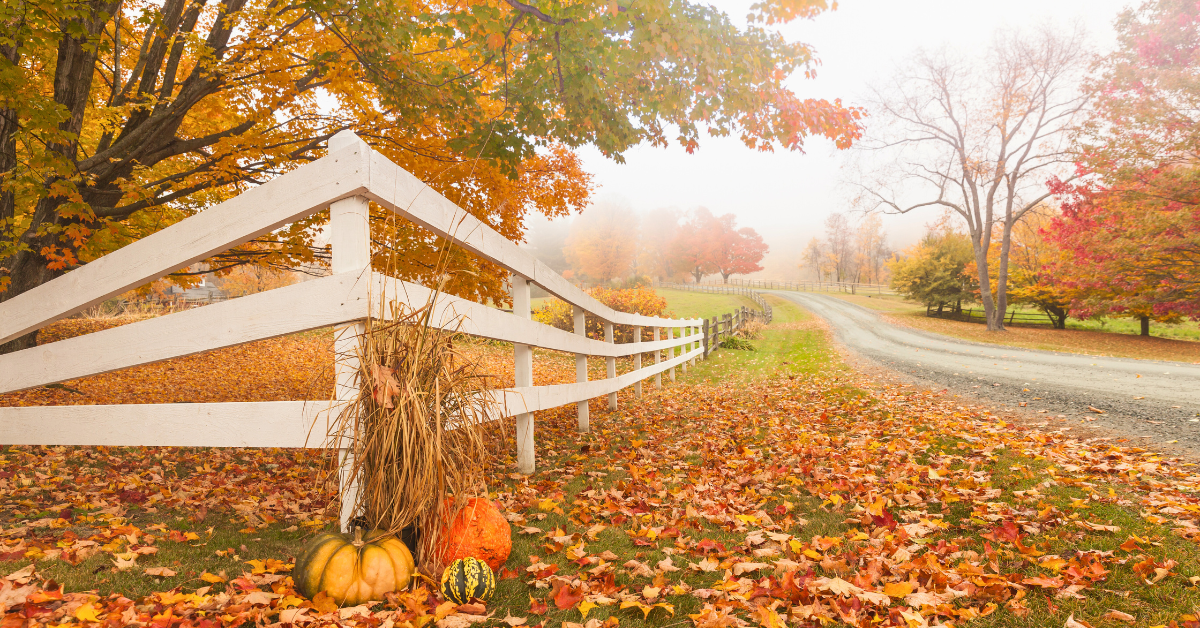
417,425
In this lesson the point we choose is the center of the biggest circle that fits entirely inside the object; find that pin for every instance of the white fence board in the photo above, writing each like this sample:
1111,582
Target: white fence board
300,307
398,190
487,322
536,398
250,424
253,213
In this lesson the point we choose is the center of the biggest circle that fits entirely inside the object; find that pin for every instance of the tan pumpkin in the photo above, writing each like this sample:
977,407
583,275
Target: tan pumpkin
353,570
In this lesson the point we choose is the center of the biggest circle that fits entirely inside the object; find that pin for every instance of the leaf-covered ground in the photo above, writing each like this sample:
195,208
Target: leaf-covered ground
806,497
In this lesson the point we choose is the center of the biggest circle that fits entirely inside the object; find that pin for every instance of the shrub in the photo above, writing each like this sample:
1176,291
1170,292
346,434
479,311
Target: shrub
642,300
733,342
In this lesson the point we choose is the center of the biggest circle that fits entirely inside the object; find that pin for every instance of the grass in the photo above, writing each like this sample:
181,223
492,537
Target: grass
1167,342
686,304
795,343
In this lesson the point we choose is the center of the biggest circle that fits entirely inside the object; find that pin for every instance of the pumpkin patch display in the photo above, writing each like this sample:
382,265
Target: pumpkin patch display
479,531
467,579
351,570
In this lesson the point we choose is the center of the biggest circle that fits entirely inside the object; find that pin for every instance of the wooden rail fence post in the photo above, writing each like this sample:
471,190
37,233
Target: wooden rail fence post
611,363
581,374
637,362
657,360
350,239
707,339
671,351
523,371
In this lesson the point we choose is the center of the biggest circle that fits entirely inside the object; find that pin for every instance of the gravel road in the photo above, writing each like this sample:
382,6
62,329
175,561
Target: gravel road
1140,399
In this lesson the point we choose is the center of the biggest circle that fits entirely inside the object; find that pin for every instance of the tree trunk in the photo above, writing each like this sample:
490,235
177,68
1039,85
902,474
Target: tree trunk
1002,271
1145,326
995,321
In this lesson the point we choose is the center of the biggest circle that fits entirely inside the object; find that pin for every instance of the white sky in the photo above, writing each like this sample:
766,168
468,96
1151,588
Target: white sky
786,196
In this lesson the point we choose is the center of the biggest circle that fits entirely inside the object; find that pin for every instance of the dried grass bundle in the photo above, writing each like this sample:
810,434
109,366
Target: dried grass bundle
417,425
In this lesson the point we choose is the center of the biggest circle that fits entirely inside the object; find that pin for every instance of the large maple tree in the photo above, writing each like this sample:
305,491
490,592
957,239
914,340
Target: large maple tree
120,117
1131,223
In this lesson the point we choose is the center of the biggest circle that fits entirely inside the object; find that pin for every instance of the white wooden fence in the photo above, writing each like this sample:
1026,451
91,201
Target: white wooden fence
346,180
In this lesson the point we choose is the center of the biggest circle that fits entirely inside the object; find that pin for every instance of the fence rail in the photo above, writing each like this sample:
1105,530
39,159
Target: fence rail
721,327
807,286
345,181
978,316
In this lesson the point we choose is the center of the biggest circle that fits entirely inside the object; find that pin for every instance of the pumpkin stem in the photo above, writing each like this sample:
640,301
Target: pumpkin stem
358,540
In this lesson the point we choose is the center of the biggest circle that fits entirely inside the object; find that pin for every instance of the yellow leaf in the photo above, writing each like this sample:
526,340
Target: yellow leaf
876,509
87,612
632,604
813,554
210,577
897,589
289,601
584,607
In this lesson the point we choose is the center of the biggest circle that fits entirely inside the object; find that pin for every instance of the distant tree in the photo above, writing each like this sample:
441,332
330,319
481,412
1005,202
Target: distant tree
693,248
655,239
252,279
871,250
839,246
813,258
602,244
738,251
931,272
980,137
849,252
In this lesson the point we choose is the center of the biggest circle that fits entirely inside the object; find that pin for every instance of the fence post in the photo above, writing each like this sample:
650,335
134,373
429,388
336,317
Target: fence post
637,362
671,351
657,360
523,371
350,239
581,374
612,365
707,339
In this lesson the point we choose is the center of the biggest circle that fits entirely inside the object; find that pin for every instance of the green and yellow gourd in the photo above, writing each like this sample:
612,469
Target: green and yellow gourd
466,579
351,570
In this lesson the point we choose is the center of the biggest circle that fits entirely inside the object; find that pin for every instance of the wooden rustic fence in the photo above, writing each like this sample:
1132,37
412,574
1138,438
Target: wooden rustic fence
724,326
978,316
349,178
808,286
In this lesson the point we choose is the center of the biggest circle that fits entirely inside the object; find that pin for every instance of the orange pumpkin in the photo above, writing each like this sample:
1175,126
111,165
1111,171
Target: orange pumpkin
479,531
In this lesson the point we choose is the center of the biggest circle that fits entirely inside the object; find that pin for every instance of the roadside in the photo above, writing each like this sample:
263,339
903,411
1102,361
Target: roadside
1150,401
1082,341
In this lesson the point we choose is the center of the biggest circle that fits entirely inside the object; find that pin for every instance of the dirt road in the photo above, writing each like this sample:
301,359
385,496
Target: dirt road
1142,399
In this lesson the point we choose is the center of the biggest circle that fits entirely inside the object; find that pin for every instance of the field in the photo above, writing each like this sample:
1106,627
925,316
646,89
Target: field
1110,337
774,487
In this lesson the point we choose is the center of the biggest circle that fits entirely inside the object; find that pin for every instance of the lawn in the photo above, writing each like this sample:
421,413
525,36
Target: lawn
686,304
797,494
1108,337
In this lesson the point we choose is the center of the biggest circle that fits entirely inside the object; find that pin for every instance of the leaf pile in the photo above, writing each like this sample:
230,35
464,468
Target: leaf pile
810,502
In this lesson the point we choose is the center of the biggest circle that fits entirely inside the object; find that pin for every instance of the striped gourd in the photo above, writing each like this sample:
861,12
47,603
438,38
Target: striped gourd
351,570
466,579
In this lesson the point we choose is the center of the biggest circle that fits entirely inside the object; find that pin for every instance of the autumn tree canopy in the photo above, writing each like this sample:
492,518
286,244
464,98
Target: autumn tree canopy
1130,225
120,117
